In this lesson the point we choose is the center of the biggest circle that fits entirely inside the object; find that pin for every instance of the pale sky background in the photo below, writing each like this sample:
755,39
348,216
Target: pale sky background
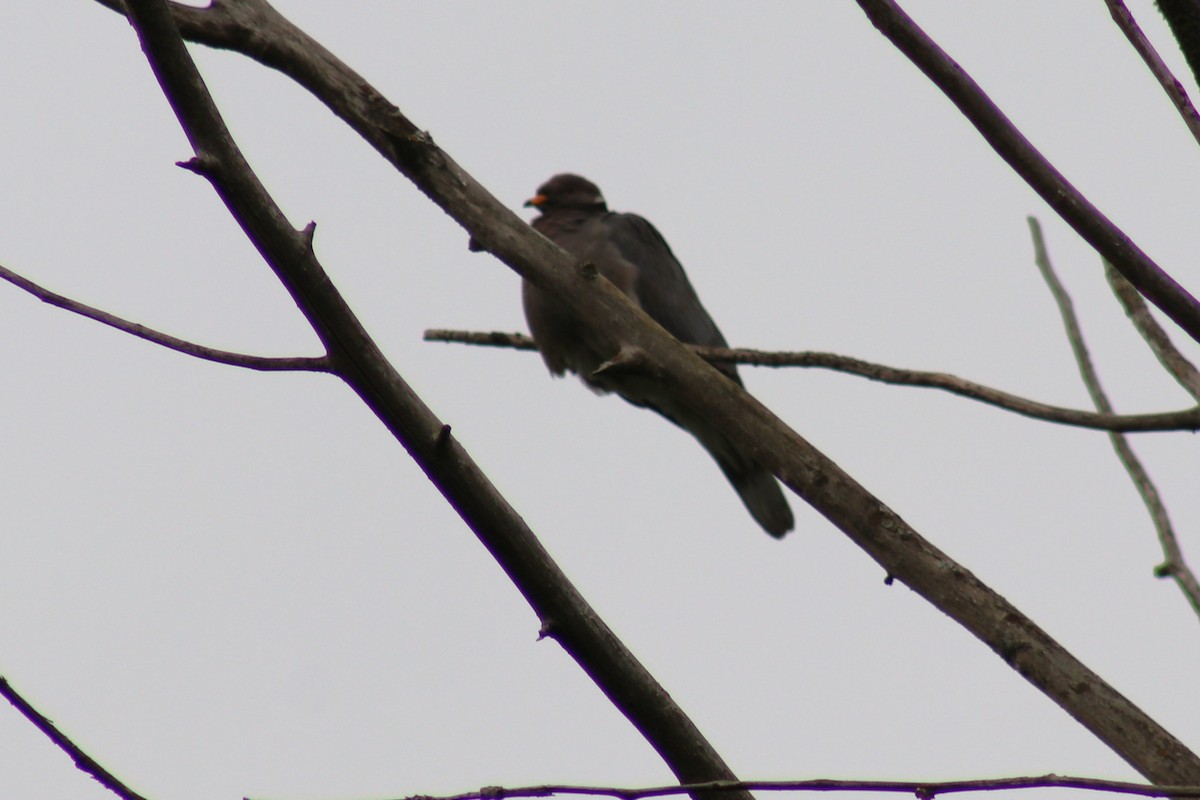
225,583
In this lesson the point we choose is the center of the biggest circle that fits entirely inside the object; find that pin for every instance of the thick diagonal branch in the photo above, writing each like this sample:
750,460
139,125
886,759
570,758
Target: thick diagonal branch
355,357
63,742
866,520
1011,145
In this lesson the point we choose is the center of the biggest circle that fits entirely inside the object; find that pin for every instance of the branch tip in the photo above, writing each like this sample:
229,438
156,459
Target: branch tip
1138,474
191,165
627,360
443,436
261,363
204,166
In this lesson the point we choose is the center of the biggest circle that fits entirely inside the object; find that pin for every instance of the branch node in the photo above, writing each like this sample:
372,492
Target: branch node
547,630
308,234
628,360
443,437
201,165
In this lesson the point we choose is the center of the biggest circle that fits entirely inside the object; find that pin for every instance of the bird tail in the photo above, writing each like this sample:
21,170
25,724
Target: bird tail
754,483
760,492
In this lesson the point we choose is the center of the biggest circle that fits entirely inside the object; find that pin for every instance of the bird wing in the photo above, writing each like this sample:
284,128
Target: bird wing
661,287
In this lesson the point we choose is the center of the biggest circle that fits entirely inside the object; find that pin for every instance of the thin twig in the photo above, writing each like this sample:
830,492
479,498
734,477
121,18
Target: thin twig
262,363
1183,18
1174,566
1157,66
926,790
82,760
1175,363
1185,420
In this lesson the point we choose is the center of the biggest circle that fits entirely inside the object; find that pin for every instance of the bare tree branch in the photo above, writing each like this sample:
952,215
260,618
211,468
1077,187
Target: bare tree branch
1176,364
1183,17
1171,85
924,790
82,760
1096,229
356,358
263,363
608,315
1174,566
1185,420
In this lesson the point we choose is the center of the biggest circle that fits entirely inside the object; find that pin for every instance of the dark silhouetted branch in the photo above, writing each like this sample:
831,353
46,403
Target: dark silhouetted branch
924,790
1171,85
355,357
1096,229
263,363
1183,17
82,760
1185,420
613,322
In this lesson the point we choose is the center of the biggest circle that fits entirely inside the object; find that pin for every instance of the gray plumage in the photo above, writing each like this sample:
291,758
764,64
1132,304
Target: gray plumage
632,254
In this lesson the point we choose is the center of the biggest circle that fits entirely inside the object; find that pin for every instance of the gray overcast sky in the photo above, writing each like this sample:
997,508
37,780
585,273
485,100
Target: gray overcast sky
225,583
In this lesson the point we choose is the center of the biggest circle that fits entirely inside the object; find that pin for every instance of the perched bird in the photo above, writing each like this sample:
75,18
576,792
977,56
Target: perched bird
632,254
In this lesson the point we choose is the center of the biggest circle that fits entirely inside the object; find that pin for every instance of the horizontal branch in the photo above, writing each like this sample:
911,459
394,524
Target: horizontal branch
1185,420
261,363
925,790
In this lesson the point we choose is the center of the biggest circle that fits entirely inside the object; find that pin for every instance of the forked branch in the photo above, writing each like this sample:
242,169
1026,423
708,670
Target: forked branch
1174,565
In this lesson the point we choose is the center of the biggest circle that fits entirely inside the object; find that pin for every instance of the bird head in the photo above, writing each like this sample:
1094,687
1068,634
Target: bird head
567,191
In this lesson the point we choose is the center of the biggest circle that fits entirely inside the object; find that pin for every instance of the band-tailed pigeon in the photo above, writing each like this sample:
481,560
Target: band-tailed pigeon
633,255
